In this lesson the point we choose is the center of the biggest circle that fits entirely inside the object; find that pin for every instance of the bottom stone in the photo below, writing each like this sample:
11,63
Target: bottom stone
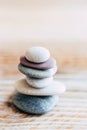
34,104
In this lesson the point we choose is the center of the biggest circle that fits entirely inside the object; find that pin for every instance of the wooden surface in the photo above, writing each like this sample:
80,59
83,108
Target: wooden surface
69,114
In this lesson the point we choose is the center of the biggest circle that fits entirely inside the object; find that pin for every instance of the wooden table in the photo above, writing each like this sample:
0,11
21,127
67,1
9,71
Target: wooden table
69,114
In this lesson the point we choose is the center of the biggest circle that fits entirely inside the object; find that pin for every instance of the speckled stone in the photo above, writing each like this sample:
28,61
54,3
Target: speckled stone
50,63
37,73
54,88
34,104
37,54
39,83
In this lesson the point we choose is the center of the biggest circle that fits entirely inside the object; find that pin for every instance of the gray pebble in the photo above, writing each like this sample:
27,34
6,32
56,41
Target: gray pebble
34,104
37,73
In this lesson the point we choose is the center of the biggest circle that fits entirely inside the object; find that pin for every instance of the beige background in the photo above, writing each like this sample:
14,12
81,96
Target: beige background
60,26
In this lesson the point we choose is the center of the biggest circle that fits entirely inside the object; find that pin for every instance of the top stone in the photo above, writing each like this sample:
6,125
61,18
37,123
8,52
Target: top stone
37,54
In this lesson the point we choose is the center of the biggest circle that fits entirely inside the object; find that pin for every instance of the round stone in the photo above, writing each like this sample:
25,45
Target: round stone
50,63
37,73
37,54
34,104
39,83
54,88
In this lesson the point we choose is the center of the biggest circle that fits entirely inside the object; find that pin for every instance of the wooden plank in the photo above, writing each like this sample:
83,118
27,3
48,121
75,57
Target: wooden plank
70,112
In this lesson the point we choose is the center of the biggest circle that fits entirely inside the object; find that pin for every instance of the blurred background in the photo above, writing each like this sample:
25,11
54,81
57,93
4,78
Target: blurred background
61,26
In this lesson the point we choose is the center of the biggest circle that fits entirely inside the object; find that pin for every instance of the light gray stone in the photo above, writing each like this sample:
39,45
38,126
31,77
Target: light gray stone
37,73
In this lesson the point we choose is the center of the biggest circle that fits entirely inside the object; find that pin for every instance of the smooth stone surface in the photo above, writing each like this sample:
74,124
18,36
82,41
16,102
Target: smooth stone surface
54,88
37,73
37,54
34,104
39,83
50,63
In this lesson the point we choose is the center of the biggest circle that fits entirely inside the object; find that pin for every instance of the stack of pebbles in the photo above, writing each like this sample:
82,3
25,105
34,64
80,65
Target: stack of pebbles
37,93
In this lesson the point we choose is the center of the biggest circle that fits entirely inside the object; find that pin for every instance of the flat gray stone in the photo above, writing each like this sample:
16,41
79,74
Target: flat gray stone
34,104
37,73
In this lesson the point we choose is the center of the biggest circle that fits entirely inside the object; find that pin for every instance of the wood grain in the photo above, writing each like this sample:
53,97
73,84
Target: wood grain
69,114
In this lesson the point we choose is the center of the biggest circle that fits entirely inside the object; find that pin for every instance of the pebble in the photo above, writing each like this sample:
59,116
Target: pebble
39,83
37,73
54,88
50,63
34,104
37,54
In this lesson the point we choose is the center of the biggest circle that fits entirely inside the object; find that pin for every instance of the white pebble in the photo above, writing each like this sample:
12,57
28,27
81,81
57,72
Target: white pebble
37,54
39,83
